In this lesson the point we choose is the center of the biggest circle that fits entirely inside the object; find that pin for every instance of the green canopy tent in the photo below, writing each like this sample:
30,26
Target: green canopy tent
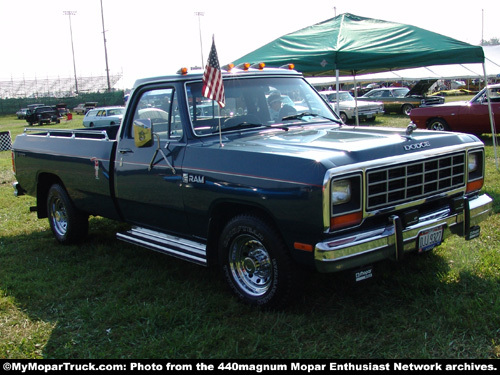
356,45
353,45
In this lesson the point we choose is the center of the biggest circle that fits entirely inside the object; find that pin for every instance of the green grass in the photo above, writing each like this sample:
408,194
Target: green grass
108,299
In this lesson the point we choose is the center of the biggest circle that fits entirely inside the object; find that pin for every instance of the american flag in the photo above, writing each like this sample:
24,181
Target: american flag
213,87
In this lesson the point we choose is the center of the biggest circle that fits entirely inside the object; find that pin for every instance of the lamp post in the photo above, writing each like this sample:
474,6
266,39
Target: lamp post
70,13
105,49
200,14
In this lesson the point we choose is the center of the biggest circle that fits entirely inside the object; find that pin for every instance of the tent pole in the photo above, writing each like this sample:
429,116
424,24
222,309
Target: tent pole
337,87
492,119
356,99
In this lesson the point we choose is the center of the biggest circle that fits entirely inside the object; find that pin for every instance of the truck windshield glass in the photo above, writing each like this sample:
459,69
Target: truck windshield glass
253,103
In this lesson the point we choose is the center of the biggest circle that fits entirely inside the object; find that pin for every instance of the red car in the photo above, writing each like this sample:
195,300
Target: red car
462,116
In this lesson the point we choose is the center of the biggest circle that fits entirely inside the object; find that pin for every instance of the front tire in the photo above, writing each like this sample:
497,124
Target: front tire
68,225
438,124
256,263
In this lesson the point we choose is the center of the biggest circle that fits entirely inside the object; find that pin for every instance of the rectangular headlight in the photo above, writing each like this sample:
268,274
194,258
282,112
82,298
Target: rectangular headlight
341,192
345,202
475,170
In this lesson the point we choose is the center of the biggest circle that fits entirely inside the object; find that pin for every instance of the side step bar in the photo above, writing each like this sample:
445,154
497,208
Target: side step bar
192,251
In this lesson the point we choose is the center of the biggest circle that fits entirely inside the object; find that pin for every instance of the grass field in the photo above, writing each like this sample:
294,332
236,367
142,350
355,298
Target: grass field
108,299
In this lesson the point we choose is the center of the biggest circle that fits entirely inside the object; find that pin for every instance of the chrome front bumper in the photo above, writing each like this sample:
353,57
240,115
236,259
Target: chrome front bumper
391,241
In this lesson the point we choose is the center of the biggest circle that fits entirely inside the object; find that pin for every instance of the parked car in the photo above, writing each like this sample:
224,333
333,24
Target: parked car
462,116
42,115
402,99
83,108
454,92
104,116
347,106
63,109
22,113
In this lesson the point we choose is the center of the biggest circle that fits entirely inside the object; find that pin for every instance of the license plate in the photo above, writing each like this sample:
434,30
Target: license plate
429,239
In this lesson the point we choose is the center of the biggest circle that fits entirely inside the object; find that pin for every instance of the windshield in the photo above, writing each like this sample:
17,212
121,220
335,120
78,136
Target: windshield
493,92
257,102
401,93
343,97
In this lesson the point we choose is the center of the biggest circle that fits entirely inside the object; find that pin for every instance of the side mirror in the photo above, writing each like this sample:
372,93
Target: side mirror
143,132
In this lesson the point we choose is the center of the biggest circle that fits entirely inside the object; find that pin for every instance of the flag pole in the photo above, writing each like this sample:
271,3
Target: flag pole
220,129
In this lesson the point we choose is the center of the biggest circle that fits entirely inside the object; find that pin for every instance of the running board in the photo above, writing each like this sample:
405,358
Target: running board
192,251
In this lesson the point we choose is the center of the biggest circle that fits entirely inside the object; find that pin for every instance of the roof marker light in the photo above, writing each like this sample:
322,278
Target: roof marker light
228,67
259,66
182,71
244,66
288,66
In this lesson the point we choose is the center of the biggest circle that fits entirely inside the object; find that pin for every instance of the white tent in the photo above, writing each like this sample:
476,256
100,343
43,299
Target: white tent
454,71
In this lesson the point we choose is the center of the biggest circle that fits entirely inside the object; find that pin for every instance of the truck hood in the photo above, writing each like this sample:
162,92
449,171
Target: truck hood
335,146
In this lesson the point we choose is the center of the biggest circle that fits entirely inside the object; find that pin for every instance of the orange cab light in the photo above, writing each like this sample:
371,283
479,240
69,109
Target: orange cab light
303,246
182,71
228,67
259,66
246,66
475,185
288,66
346,220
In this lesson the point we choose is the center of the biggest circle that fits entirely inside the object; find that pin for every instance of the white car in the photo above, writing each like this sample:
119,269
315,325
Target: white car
347,104
104,116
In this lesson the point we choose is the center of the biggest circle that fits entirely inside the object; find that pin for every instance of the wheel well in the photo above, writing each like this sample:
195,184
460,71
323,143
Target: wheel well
221,215
45,181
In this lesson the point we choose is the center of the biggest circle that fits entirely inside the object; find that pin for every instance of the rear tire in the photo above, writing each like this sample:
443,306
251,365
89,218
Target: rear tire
256,263
406,109
68,225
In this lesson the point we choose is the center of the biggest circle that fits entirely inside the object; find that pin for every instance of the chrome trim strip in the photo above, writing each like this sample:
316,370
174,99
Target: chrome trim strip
164,243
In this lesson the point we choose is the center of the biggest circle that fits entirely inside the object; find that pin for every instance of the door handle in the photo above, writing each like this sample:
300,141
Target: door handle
125,150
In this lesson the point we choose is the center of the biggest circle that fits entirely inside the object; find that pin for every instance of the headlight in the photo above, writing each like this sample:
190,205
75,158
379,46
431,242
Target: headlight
473,162
341,192
475,170
345,193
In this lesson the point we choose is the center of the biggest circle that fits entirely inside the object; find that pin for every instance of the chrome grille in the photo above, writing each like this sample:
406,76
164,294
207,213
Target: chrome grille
411,181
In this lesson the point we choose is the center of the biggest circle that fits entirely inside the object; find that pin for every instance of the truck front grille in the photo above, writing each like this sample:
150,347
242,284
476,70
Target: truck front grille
411,181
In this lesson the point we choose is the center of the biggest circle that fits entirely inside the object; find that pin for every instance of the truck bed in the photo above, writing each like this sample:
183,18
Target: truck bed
82,159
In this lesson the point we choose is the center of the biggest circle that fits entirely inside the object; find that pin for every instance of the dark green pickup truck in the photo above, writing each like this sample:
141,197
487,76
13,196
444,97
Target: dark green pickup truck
268,187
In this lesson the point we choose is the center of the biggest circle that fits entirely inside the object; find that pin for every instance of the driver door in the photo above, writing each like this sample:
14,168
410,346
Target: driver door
149,174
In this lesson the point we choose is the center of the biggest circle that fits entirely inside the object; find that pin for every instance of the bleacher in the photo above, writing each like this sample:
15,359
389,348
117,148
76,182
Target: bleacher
55,87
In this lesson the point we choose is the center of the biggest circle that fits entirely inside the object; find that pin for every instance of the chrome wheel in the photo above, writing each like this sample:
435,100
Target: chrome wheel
438,124
250,265
68,224
58,216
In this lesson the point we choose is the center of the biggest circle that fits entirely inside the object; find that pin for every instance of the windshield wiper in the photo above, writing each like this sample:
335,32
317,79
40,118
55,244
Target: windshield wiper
300,115
245,125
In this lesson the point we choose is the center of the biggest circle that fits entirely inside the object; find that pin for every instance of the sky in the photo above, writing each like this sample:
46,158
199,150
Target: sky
146,38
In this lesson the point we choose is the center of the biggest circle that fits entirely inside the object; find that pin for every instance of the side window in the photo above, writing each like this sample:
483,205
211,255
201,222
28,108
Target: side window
161,107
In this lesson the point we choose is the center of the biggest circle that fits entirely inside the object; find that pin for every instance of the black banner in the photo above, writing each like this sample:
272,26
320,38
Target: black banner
248,366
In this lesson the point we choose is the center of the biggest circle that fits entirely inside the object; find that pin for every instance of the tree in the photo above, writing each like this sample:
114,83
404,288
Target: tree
491,42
